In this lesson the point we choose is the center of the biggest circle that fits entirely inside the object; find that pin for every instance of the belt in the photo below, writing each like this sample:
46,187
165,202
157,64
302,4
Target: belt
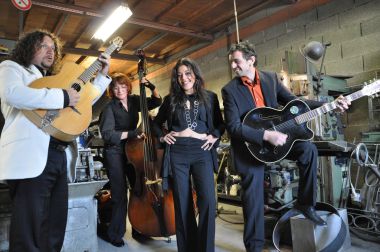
57,146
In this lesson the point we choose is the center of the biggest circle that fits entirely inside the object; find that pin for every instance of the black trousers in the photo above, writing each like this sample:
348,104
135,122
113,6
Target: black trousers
189,161
39,210
306,155
118,170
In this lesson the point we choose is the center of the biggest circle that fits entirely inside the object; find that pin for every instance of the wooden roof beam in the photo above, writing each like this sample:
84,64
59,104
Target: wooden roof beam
78,10
95,53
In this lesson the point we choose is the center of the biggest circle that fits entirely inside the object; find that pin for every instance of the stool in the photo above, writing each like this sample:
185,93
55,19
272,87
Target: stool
306,236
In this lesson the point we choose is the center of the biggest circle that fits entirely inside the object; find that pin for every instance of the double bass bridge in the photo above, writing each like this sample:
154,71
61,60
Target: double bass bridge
152,182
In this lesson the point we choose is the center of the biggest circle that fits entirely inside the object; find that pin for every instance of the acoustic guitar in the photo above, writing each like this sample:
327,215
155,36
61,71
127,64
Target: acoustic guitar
292,120
67,123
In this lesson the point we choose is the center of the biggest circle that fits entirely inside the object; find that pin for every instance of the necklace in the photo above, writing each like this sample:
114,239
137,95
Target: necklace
192,124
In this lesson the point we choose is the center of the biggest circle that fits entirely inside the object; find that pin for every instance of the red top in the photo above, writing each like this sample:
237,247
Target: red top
255,89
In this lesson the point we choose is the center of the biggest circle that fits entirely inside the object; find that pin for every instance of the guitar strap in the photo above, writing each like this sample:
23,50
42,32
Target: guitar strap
333,246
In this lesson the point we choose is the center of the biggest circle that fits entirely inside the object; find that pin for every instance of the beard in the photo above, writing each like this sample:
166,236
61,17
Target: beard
47,64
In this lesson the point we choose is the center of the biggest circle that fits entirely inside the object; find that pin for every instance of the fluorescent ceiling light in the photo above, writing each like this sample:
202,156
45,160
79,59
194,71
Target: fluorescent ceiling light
113,22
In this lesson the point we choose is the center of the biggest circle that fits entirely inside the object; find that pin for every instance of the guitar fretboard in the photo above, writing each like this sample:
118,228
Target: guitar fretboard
373,88
96,65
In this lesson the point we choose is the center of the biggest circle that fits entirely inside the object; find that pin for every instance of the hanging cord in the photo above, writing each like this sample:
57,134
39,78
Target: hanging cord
237,23
220,211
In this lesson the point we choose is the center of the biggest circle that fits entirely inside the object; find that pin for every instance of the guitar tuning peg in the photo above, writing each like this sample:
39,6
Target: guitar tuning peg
365,83
370,81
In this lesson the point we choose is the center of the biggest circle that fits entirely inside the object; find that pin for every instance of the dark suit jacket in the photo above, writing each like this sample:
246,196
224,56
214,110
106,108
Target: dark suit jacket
215,125
238,101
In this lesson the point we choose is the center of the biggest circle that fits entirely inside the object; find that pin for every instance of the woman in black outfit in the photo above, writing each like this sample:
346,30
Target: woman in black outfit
195,125
118,124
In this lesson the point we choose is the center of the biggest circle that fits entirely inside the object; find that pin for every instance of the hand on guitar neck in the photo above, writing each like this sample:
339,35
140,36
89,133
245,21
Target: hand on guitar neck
105,60
74,96
342,104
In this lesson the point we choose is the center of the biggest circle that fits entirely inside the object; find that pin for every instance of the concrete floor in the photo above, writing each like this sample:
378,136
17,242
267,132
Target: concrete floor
228,238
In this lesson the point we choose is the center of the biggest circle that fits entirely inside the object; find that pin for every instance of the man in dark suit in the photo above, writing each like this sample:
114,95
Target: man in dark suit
251,89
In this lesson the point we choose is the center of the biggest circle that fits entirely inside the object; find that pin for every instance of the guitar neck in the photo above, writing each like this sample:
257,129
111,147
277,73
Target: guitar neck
95,66
308,116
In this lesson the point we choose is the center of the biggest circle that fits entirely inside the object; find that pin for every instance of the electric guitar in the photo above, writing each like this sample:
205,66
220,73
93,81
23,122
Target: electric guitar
292,120
67,123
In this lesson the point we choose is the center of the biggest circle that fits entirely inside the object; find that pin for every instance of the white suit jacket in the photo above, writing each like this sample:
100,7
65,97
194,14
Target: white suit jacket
23,146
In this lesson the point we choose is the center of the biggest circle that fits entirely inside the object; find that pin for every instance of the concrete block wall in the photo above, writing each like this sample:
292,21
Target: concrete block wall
352,27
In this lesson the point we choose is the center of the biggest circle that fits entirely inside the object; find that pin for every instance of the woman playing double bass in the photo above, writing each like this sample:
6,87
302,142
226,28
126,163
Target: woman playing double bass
117,125
195,125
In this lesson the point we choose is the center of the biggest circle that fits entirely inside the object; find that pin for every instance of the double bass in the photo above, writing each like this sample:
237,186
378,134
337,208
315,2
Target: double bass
150,209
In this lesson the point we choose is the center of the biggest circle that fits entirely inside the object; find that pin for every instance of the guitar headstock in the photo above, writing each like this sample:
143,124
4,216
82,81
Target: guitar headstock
118,42
371,88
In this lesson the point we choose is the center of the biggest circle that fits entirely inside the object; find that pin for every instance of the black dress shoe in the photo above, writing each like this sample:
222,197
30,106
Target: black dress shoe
310,213
117,243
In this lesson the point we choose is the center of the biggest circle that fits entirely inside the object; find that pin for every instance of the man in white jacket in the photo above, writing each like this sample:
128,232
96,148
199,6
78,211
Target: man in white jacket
32,162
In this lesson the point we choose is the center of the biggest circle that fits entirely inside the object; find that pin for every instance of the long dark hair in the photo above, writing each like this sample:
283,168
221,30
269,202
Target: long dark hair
177,95
28,45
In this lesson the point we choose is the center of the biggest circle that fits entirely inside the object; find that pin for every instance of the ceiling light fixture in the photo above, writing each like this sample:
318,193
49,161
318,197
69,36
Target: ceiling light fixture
113,22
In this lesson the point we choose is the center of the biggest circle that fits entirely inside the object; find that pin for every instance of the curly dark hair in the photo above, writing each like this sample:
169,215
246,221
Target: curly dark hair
178,96
121,79
246,48
28,45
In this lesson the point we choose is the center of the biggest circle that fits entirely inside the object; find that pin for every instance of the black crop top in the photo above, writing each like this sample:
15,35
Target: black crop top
183,118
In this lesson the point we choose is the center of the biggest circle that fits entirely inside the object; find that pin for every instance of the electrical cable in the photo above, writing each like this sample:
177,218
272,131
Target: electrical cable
357,227
219,212
364,236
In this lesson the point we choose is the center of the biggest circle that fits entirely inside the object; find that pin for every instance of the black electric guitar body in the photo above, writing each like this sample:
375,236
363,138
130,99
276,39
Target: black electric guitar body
279,120
292,120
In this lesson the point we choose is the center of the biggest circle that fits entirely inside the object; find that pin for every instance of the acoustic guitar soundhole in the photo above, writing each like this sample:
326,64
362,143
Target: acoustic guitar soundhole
76,86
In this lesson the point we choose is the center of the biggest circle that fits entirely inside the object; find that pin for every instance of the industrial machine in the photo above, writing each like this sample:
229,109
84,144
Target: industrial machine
86,177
